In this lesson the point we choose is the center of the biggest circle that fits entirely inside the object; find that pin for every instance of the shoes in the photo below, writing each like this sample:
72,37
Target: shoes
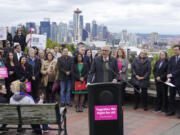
20,130
69,105
170,113
80,109
84,106
45,131
77,108
62,105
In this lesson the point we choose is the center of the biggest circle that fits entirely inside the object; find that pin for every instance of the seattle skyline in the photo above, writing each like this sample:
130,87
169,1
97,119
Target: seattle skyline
136,16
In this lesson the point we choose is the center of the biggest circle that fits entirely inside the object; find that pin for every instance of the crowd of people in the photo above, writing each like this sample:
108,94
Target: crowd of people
56,71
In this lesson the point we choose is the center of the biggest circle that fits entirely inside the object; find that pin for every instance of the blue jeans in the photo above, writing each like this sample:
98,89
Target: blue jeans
65,91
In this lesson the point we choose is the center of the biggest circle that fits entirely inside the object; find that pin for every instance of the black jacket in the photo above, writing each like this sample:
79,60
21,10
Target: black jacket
16,61
23,75
174,69
21,40
96,71
143,69
3,99
36,69
63,66
76,74
162,71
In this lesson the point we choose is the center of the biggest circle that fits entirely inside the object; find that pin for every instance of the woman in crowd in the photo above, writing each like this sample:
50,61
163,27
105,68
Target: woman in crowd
88,58
36,67
11,67
79,73
141,70
41,55
46,51
49,76
24,70
36,51
2,65
123,70
160,74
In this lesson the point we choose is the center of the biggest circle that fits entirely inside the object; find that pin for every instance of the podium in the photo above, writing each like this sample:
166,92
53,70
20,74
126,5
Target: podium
105,109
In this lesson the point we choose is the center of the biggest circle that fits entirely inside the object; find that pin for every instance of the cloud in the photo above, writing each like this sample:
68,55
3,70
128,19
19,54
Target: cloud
134,15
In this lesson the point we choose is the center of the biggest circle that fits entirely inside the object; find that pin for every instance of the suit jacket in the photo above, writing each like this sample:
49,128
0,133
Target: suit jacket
174,69
16,61
96,71
63,66
162,71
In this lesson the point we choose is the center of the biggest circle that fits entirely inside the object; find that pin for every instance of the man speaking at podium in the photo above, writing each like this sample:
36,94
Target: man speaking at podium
104,68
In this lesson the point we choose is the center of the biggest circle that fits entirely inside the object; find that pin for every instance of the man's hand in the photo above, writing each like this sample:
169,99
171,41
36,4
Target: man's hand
114,81
11,72
158,79
82,79
138,77
33,78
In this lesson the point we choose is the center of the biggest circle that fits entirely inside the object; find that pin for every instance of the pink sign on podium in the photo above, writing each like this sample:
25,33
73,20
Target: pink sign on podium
3,72
108,112
28,86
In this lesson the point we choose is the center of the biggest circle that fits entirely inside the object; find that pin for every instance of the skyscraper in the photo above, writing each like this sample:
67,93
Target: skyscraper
13,31
94,29
81,22
154,38
45,27
105,32
62,33
31,25
54,31
88,27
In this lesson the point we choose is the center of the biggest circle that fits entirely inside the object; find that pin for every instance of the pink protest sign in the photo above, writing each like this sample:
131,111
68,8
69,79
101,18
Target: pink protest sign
3,72
28,86
108,112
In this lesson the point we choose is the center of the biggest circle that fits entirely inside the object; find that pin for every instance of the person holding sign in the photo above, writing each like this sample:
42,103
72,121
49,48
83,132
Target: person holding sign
174,78
29,38
79,74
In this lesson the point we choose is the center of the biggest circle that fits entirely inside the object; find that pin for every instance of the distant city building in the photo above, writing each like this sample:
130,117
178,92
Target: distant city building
13,31
84,35
124,36
54,31
62,33
81,21
154,38
70,33
105,32
88,27
94,29
30,25
45,27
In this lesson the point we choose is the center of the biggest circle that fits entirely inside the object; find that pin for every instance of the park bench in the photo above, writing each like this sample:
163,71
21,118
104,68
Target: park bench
12,114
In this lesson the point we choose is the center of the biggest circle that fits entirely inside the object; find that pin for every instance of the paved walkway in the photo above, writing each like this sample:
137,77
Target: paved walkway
136,122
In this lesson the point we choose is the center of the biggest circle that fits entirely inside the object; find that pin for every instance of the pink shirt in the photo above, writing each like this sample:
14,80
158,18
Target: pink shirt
120,68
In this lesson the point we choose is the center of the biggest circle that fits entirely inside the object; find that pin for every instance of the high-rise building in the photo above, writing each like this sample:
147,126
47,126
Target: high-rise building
105,32
62,33
45,27
13,31
81,22
124,36
84,35
94,29
77,27
88,27
154,38
54,31
70,33
31,25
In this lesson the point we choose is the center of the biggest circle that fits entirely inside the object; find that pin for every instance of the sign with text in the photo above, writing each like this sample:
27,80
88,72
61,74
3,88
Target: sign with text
3,72
39,41
28,86
3,33
107,112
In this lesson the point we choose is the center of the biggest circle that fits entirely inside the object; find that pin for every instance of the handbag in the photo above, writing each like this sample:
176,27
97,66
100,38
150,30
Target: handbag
80,85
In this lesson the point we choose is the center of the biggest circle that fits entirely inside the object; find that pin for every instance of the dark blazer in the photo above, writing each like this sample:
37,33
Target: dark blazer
76,74
63,66
162,71
21,40
96,71
143,69
12,77
16,61
174,69
36,69
3,99
23,75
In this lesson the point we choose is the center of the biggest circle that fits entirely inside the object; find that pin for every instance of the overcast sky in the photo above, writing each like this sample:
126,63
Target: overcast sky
137,16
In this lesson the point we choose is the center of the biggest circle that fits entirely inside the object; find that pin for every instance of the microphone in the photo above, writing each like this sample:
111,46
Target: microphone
108,68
